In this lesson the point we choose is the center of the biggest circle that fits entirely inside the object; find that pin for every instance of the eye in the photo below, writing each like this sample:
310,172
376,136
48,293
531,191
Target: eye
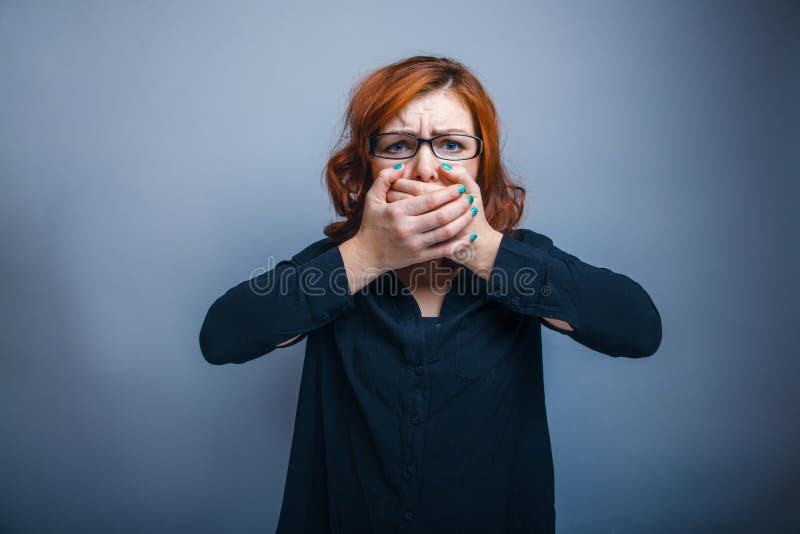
397,147
451,145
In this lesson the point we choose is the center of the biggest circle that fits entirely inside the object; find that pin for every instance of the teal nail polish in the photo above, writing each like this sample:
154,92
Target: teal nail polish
398,165
472,237
446,166
462,188
470,198
474,211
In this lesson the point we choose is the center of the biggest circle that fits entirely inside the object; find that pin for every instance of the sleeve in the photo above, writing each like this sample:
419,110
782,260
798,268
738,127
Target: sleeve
297,296
608,311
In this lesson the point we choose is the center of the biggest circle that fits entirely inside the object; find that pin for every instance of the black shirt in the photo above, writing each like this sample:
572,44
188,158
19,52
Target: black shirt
407,423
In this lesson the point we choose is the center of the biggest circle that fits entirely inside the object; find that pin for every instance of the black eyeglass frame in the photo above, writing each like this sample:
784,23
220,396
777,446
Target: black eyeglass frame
428,140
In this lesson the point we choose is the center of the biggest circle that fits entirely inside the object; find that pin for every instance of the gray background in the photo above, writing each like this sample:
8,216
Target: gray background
153,154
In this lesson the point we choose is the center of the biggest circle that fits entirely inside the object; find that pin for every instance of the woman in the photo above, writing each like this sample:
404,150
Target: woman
421,403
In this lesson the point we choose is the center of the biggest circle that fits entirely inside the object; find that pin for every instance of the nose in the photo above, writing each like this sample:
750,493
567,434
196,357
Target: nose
426,164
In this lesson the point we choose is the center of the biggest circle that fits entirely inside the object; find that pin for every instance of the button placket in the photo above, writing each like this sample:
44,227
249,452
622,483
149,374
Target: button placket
415,391
410,470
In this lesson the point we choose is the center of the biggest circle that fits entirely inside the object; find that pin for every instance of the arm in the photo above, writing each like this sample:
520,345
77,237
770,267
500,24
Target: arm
295,297
288,342
599,308
562,325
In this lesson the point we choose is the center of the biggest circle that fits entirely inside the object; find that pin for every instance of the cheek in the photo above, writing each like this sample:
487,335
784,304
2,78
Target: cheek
473,170
376,169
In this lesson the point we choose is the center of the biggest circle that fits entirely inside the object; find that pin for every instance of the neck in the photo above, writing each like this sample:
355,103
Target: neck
435,273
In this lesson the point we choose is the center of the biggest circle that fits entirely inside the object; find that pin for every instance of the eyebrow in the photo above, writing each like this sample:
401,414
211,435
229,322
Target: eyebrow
434,132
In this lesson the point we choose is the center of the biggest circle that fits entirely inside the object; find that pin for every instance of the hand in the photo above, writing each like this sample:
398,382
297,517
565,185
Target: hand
476,253
405,188
413,229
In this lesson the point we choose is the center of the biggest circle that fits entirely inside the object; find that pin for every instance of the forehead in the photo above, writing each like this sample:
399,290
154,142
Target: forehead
436,110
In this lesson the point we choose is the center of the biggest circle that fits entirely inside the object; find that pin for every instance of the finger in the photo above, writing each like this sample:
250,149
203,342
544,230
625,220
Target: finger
442,215
415,187
458,174
429,201
449,230
393,196
448,248
458,249
383,182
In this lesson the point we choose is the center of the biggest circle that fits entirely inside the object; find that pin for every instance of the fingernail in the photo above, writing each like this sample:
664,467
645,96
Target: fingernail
472,237
447,166
470,198
462,188
398,165
474,211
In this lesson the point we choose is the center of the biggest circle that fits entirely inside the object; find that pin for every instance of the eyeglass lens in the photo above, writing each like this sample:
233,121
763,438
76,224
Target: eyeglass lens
452,146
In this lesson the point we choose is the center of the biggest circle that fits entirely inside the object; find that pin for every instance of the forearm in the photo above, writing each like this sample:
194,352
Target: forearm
601,309
253,317
615,314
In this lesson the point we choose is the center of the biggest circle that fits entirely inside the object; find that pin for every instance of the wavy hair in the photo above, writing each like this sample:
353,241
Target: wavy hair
378,97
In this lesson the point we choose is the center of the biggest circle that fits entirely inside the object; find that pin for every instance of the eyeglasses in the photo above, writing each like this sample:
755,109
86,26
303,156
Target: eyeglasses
446,146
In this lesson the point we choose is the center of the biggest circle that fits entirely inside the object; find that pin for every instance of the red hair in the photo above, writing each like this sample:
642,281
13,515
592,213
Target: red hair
378,97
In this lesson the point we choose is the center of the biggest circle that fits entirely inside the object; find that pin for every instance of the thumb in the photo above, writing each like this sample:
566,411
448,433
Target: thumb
380,188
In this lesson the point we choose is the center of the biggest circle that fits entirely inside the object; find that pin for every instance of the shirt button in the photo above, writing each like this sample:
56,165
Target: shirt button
419,370
415,420
515,300
498,292
408,515
325,316
411,469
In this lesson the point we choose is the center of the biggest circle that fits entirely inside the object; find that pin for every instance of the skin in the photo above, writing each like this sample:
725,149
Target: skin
428,115
414,216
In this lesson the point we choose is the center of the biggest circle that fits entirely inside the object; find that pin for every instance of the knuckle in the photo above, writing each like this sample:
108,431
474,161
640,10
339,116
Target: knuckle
448,232
402,233
430,202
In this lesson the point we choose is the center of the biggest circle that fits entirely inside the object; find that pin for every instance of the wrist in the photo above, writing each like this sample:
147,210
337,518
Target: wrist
361,266
485,252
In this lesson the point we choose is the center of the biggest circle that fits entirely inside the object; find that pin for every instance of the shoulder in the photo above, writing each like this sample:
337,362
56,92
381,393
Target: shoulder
528,236
539,241
313,250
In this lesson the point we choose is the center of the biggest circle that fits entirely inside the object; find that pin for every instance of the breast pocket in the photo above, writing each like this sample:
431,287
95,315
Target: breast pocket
484,341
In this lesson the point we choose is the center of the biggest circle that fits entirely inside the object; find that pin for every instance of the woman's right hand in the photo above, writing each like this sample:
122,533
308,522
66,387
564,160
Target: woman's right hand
411,230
